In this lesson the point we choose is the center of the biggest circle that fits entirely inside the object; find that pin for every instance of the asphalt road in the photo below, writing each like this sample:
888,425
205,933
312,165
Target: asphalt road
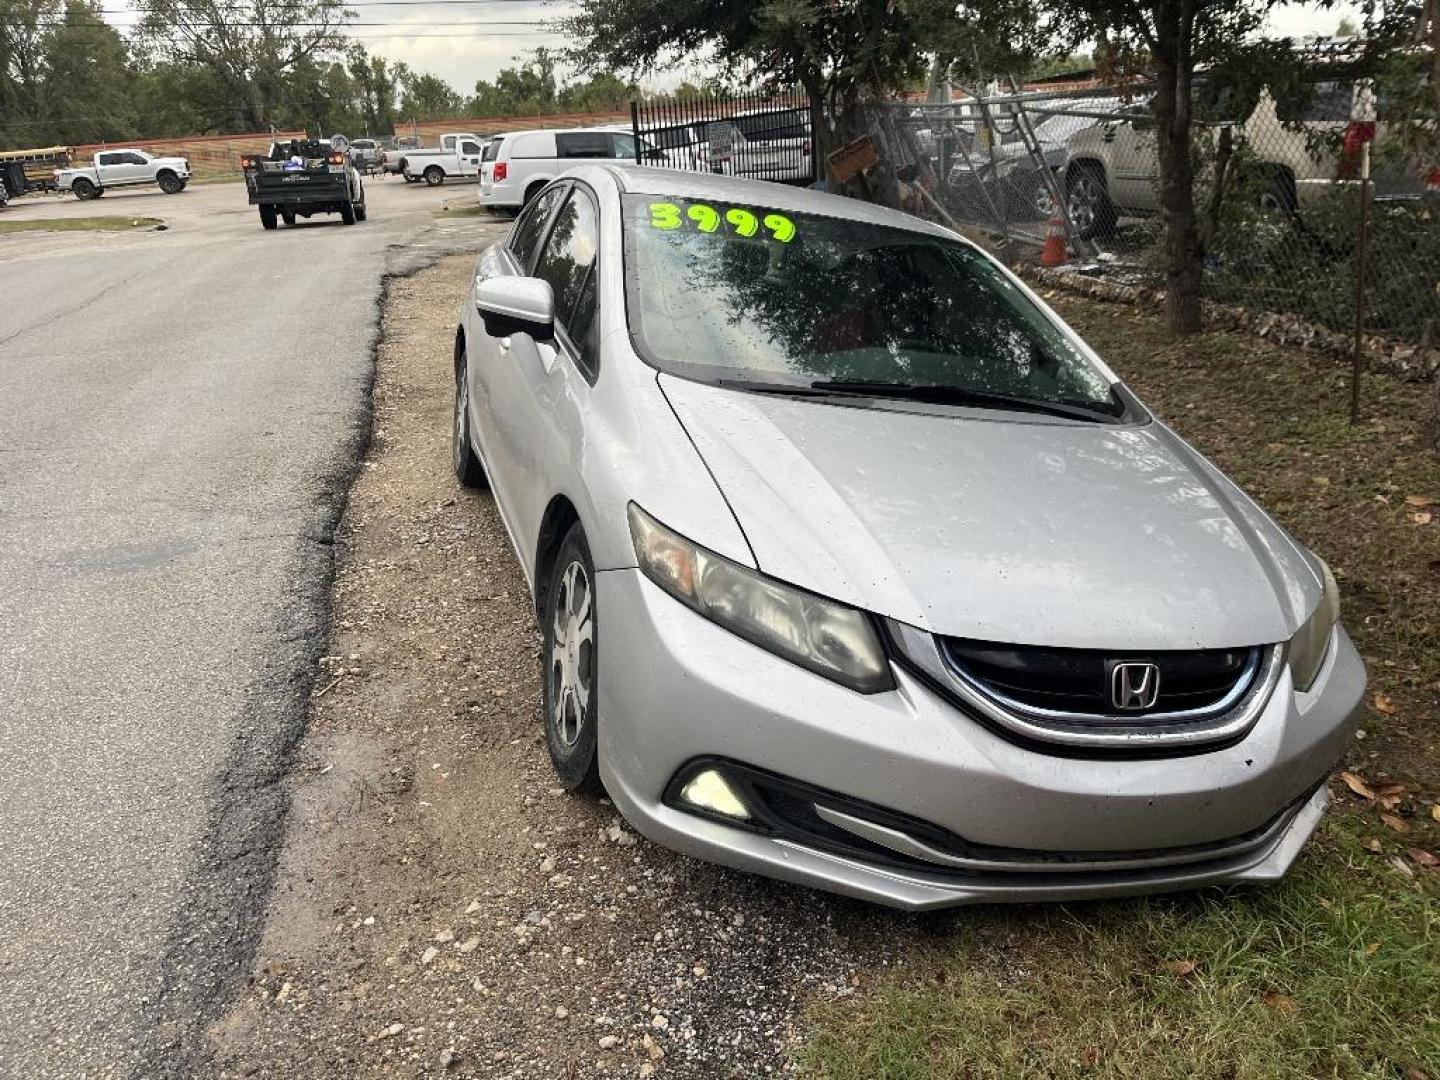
180,414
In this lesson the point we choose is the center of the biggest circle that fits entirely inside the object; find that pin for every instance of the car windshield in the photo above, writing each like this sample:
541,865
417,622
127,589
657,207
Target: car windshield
739,293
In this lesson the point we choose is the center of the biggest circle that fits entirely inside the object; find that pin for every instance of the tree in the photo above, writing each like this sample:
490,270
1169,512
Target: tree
1170,39
427,97
86,88
529,89
251,47
22,38
377,84
840,53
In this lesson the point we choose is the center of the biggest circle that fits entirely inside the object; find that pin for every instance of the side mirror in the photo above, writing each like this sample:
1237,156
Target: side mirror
516,305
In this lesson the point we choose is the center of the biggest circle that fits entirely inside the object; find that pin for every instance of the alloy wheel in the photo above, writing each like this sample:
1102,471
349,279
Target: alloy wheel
459,443
572,655
1082,203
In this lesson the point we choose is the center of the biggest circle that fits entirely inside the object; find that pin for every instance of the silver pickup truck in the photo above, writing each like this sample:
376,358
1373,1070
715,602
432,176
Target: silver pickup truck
124,168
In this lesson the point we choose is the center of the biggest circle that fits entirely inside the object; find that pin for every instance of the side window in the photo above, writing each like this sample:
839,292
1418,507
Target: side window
492,149
530,226
106,159
132,159
624,146
582,144
567,262
469,149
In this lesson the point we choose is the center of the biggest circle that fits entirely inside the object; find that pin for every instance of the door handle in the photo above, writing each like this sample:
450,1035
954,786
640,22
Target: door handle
504,344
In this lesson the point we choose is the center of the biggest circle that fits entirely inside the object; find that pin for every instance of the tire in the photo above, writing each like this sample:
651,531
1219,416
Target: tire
287,216
268,217
468,469
347,213
84,189
1279,197
169,183
569,687
1091,211
361,213
530,193
434,175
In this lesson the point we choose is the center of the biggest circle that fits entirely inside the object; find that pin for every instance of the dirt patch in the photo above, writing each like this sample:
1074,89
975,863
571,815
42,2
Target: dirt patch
441,906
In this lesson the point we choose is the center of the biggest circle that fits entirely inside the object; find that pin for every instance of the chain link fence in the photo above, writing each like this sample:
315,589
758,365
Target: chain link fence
1074,177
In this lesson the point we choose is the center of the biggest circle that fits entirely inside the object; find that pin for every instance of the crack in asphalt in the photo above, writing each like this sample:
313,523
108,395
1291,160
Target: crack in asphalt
57,316
229,884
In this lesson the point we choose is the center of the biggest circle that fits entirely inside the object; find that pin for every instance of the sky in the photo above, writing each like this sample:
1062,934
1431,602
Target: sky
465,40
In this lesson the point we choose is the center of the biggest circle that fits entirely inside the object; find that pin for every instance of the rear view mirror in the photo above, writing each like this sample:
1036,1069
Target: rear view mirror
516,305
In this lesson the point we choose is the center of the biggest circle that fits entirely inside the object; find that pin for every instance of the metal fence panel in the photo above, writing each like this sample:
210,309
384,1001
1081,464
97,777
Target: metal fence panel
760,136
1277,196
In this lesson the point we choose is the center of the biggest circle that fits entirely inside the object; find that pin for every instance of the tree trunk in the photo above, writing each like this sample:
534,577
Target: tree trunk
1174,68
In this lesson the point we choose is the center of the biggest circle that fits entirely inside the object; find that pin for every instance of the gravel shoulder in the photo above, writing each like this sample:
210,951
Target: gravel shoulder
441,907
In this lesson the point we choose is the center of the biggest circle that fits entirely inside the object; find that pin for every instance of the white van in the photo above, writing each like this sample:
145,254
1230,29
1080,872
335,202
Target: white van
516,165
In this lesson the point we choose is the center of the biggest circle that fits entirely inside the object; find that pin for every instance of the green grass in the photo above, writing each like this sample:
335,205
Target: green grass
1333,973
1336,971
79,224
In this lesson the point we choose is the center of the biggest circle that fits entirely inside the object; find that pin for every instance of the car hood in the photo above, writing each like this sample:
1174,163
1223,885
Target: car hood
1000,527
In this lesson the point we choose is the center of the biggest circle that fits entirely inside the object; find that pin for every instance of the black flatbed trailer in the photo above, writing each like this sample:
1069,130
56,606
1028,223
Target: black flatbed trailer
301,177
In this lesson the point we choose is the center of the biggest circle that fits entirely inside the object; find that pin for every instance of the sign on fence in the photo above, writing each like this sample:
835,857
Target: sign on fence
852,158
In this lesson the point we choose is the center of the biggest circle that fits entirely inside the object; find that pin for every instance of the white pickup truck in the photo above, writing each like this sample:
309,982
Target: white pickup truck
459,155
124,168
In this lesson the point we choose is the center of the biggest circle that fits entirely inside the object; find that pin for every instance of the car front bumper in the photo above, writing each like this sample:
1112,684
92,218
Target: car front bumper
675,688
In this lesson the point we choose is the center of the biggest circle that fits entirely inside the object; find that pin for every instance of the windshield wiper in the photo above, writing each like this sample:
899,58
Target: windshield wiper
941,394
783,389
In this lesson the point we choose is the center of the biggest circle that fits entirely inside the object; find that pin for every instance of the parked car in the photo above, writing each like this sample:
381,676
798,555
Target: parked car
855,566
1114,167
365,153
303,177
392,158
1013,175
516,165
458,156
771,144
124,168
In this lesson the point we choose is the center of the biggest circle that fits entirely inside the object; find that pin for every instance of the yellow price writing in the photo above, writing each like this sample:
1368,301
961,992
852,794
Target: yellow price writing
781,227
745,223
664,215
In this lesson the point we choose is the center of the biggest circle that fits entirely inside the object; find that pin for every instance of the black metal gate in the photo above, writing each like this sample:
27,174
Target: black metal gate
760,136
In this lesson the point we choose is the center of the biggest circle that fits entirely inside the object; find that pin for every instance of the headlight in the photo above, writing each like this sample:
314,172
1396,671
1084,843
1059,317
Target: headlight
1311,642
829,639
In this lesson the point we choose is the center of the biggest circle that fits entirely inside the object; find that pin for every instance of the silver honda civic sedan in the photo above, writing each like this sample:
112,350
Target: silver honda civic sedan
856,567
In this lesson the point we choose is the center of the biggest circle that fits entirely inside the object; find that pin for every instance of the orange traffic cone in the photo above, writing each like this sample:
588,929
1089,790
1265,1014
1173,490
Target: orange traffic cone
1053,253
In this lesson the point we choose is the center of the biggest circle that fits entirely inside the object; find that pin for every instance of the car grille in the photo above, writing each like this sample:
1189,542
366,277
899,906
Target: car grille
1077,681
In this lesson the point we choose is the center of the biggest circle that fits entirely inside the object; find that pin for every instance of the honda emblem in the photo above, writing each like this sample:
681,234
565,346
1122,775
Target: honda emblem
1134,685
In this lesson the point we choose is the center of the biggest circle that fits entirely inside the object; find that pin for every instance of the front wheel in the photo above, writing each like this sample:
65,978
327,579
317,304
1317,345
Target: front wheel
360,212
468,469
170,184
568,658
347,213
268,217
434,176
1091,211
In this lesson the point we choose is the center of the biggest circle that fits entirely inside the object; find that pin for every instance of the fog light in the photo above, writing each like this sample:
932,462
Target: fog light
709,791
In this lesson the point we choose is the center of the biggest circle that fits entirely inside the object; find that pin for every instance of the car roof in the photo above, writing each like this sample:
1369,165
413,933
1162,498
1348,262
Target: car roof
682,183
560,130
